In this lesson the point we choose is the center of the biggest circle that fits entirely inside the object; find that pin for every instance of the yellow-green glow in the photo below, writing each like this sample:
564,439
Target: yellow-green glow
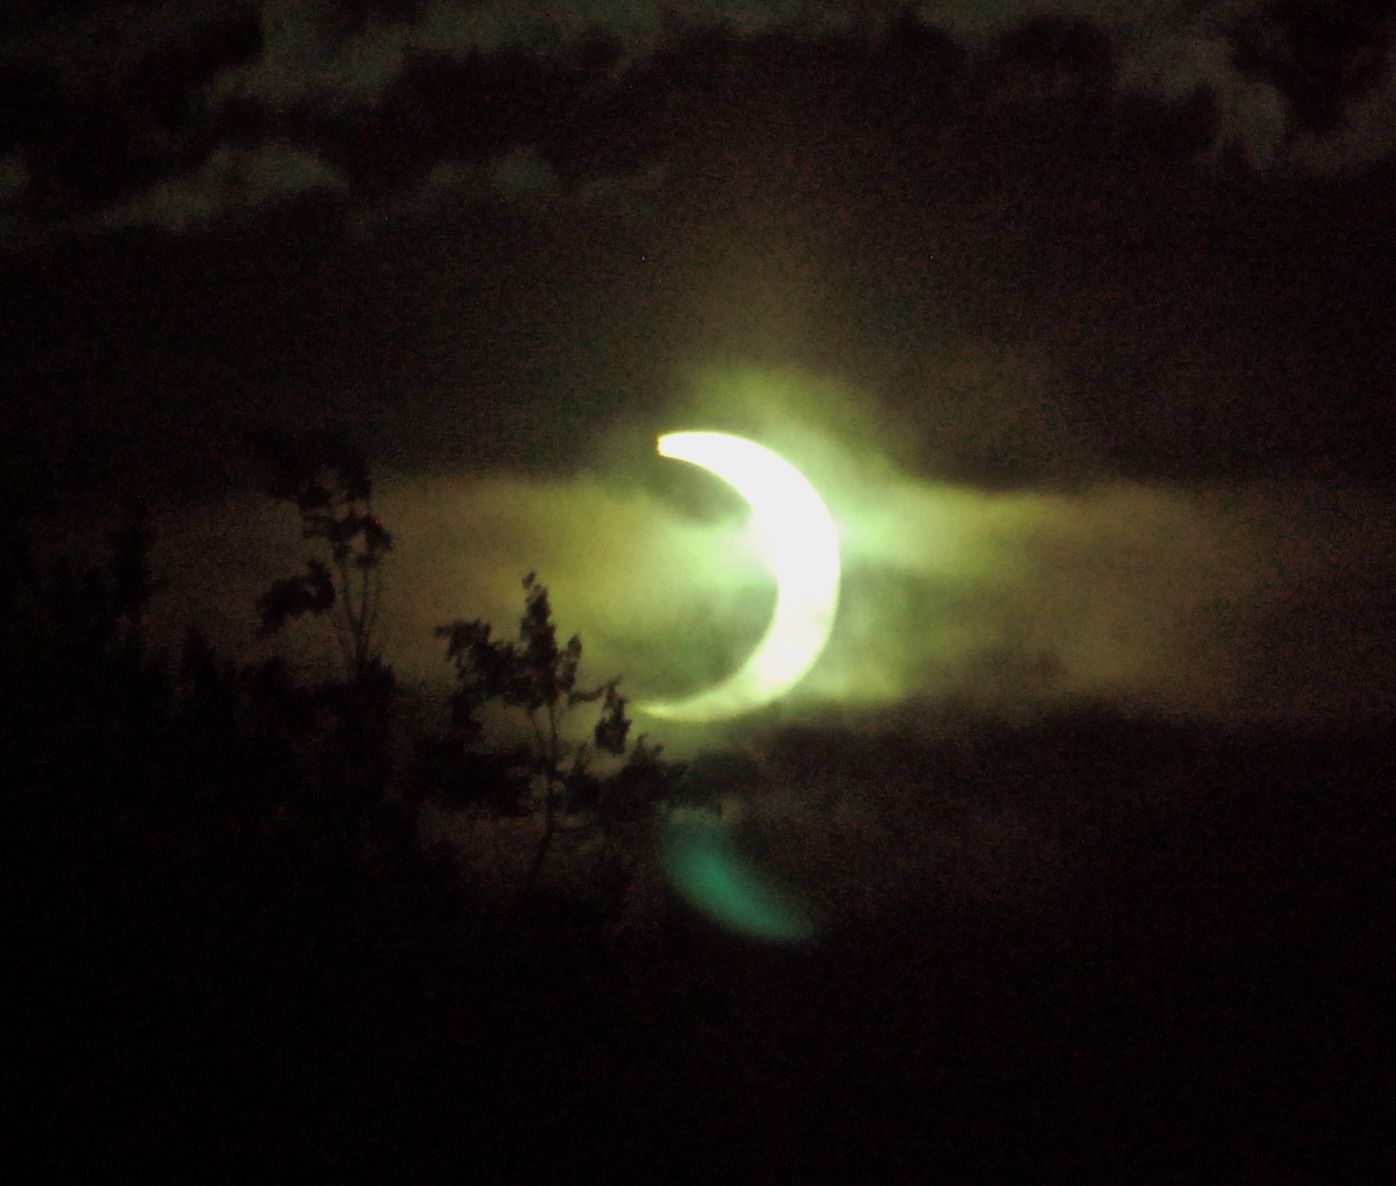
797,536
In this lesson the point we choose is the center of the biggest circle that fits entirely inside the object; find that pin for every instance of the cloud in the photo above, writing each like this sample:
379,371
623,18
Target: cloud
1176,62
524,175
521,176
307,55
309,52
1171,50
1015,600
234,180
1232,602
1259,602
1163,49
93,121
625,194
1365,134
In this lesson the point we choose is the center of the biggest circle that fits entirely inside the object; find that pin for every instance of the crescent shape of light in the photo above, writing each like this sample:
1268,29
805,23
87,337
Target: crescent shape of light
798,538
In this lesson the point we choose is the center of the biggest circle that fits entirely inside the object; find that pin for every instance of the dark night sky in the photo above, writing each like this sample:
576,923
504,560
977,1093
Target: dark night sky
1121,261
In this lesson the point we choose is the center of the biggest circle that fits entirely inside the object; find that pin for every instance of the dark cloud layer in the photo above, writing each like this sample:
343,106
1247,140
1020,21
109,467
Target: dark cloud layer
111,105
1072,275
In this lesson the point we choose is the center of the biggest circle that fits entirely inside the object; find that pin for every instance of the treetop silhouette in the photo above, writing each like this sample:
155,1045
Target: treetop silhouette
327,480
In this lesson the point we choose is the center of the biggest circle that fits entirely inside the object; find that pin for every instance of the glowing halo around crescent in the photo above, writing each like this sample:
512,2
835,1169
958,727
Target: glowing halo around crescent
798,537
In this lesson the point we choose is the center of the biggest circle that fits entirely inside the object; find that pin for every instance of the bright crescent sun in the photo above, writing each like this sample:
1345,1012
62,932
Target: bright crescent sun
798,538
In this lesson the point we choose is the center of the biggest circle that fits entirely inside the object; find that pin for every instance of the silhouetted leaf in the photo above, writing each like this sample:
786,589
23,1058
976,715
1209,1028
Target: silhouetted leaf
376,536
614,725
292,597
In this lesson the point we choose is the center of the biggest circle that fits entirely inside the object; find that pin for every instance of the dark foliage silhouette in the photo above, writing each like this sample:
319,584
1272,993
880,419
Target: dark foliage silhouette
328,482
82,695
537,677
229,956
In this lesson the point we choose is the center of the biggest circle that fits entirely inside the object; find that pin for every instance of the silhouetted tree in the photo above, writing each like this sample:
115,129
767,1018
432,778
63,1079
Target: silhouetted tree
538,677
328,482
